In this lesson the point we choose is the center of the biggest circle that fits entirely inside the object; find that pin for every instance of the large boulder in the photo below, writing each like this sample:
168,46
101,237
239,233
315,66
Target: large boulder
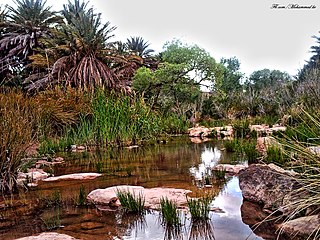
152,196
269,185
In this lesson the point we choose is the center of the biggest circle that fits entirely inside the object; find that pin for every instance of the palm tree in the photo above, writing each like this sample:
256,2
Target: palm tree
22,31
139,46
85,63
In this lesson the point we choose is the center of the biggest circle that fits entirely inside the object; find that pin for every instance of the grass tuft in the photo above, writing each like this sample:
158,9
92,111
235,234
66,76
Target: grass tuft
130,202
199,208
169,214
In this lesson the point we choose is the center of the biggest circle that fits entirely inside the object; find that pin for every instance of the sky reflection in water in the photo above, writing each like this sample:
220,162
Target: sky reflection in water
227,225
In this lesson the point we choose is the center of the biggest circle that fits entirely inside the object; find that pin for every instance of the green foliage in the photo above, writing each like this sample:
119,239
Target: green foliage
231,75
52,222
265,78
220,174
81,201
130,202
234,145
169,213
123,119
175,85
139,46
241,128
251,152
199,208
275,155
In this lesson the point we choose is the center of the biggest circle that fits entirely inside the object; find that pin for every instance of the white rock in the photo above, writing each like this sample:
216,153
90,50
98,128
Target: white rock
74,176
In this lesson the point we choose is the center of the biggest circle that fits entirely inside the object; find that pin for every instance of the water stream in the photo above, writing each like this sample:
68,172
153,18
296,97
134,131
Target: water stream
178,164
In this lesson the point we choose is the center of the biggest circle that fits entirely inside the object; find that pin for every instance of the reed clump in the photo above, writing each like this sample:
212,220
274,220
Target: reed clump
169,213
130,202
200,207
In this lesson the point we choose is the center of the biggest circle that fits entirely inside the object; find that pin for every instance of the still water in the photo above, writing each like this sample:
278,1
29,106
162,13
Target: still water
178,164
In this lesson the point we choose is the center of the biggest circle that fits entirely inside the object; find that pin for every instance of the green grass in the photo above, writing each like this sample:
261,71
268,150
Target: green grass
275,155
220,174
169,213
130,202
234,145
250,151
241,128
81,201
199,208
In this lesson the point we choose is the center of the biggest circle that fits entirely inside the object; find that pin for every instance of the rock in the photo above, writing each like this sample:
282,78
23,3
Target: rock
263,128
152,195
199,140
49,236
32,176
227,131
45,162
314,149
269,185
229,168
199,131
74,176
263,143
58,159
132,146
81,148
301,227
252,215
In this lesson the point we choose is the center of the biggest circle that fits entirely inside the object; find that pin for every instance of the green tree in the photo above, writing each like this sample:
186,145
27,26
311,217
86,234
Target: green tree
264,78
175,85
22,32
83,60
231,75
139,46
312,68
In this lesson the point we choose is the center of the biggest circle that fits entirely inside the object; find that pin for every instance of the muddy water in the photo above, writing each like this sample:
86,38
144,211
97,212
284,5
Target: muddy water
178,164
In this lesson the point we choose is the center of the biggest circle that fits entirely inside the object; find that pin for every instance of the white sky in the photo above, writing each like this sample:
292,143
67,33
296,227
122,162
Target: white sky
260,37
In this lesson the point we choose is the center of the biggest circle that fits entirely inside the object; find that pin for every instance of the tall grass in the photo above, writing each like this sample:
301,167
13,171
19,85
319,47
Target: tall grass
17,120
123,119
306,161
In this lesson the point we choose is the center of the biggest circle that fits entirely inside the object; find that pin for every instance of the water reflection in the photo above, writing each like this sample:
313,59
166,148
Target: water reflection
178,165
201,230
210,157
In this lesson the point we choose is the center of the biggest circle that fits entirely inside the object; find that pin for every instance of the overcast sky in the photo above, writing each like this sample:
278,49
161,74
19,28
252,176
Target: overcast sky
257,34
